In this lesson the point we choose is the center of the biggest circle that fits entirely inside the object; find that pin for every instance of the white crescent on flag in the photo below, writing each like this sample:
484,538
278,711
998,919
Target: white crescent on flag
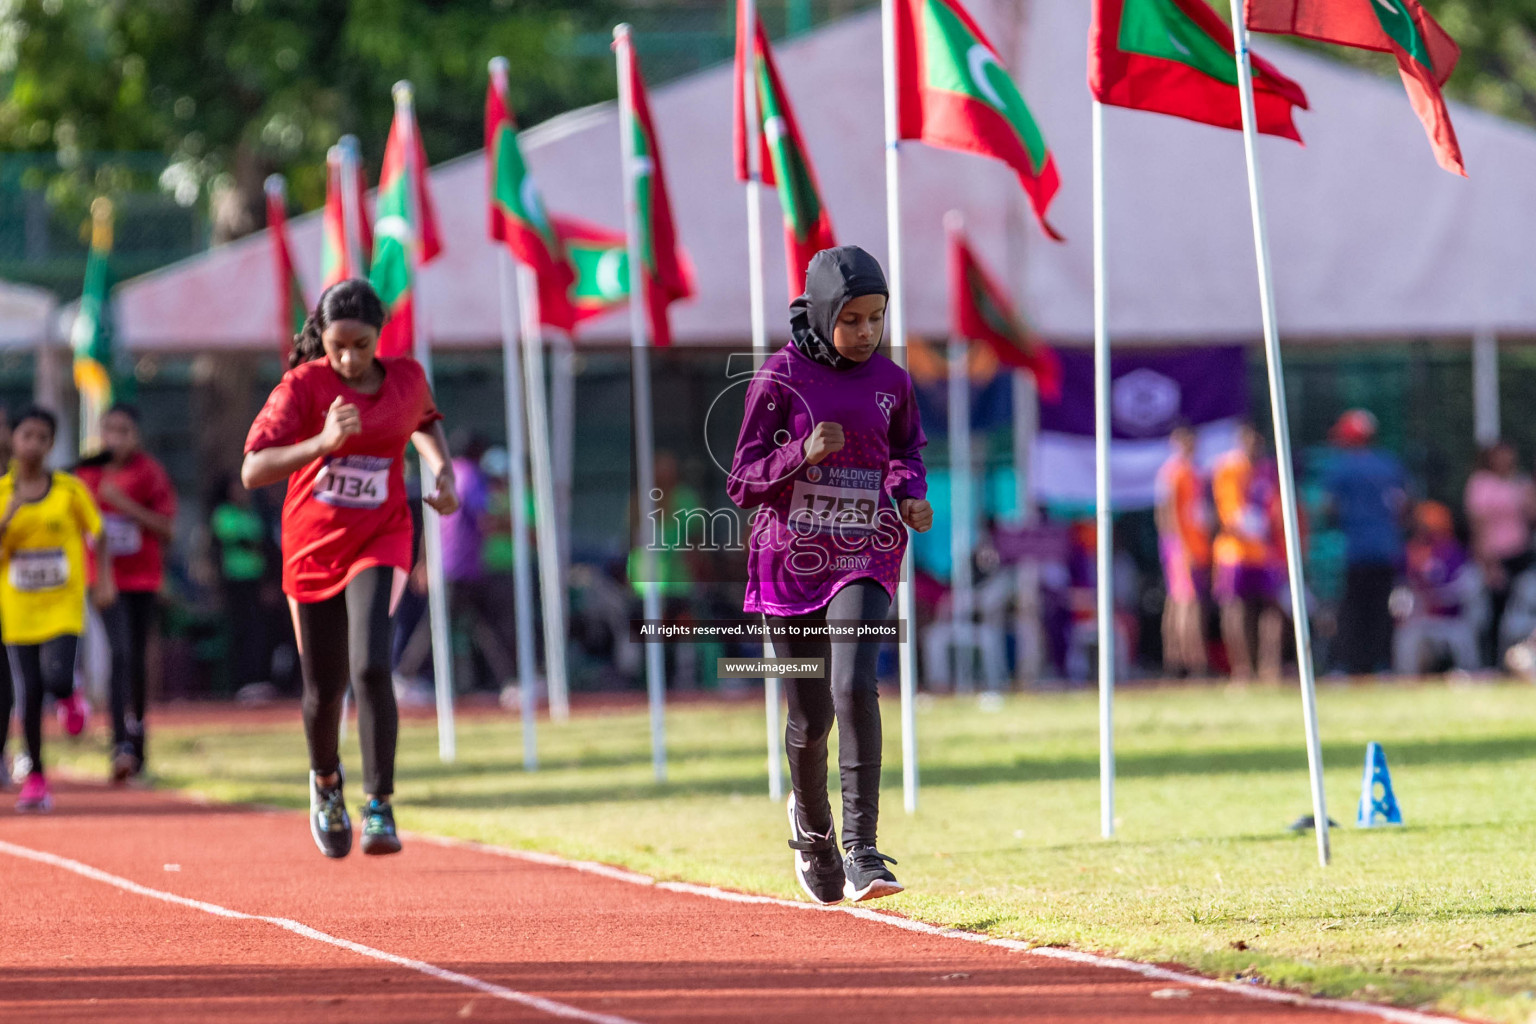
394,226
532,204
774,129
610,279
978,59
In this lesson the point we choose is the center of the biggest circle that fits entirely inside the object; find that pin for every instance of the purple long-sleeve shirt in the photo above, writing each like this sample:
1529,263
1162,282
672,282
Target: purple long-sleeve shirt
820,527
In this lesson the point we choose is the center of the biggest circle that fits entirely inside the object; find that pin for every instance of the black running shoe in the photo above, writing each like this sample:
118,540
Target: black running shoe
868,878
125,763
328,821
817,865
379,835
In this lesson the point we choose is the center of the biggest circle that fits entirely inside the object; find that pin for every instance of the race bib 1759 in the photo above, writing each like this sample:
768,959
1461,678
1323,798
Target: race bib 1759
37,569
354,481
846,495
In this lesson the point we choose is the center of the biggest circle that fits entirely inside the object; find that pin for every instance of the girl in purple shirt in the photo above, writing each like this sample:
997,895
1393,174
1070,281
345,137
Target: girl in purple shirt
830,454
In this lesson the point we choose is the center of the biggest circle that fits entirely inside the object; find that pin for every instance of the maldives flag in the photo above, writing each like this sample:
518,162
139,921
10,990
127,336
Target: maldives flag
952,92
599,260
666,274
980,311
1176,57
405,234
783,162
1426,54
292,310
517,213
346,238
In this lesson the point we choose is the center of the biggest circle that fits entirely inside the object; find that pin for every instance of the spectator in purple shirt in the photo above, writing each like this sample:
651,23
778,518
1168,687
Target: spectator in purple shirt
476,604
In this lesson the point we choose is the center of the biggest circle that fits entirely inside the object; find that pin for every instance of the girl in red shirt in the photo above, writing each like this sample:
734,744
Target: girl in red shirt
138,512
336,428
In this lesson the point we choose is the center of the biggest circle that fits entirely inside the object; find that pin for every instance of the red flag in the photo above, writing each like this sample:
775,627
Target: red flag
292,310
406,235
345,246
666,273
1426,54
1176,57
980,311
783,161
952,92
517,213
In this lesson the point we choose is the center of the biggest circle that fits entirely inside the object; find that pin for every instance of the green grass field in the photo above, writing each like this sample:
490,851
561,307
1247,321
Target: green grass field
1440,913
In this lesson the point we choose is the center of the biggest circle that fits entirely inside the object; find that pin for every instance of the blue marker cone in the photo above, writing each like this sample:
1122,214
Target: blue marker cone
1378,805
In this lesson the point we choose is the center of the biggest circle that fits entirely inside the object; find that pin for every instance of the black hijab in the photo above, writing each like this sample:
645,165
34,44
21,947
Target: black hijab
834,277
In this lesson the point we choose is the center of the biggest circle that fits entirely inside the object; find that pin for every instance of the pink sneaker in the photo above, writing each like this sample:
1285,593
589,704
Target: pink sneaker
74,712
34,794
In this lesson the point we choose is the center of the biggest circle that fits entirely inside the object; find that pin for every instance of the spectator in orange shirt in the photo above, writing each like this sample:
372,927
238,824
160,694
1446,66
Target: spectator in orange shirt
1249,555
1184,540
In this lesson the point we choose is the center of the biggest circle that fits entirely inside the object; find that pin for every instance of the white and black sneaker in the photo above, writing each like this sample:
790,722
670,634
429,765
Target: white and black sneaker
866,874
328,821
817,865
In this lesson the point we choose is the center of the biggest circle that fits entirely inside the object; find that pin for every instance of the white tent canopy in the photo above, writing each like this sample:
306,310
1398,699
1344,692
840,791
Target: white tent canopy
26,315
1370,237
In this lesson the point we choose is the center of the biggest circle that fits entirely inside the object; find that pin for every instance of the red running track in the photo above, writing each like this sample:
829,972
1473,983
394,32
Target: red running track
130,906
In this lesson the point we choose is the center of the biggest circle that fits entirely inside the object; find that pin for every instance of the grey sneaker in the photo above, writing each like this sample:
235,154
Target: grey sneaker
328,821
818,868
867,874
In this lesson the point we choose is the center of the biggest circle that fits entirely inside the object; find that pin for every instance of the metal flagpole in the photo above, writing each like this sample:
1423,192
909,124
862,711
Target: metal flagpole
906,608
562,424
1293,554
962,595
550,589
1106,522
772,686
1026,424
351,211
645,455
431,526
517,457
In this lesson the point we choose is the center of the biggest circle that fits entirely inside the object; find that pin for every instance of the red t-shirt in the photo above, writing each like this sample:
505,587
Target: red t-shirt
345,512
137,562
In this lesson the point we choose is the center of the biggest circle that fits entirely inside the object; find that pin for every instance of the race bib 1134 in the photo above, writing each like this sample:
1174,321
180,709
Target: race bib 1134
354,481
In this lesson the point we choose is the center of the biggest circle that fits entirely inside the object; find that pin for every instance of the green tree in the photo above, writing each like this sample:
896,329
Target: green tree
233,90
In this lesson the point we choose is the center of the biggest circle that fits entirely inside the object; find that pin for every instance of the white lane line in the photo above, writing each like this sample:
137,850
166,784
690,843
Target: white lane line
1150,971
548,1006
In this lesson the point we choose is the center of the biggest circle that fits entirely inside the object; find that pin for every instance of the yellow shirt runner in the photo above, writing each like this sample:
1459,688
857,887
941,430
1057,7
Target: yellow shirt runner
42,561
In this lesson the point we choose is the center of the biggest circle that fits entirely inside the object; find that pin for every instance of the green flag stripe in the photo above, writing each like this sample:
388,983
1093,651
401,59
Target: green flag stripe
602,273
1397,23
391,270
515,192
957,61
1158,28
797,192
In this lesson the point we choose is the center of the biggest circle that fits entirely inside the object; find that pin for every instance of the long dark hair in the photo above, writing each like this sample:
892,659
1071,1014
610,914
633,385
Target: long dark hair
344,300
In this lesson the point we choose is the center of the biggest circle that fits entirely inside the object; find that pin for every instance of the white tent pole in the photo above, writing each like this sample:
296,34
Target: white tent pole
772,686
351,213
517,480
550,589
962,594
1293,553
1026,424
645,455
1485,387
1106,521
906,607
431,526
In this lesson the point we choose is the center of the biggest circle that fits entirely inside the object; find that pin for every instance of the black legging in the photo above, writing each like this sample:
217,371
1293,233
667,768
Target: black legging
7,702
346,639
39,669
129,621
848,694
